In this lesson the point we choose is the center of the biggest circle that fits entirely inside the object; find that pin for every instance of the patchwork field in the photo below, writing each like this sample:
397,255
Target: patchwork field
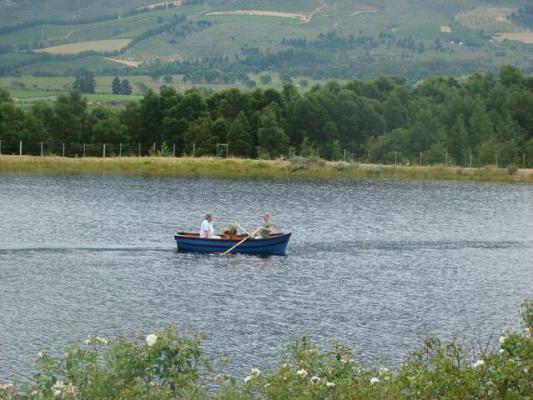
323,39
489,19
301,17
80,47
524,37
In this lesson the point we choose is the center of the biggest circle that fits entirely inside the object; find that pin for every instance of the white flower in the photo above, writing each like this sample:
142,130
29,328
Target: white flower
219,377
255,371
151,339
346,359
502,340
302,373
58,388
315,380
502,351
330,384
478,363
247,379
411,378
383,371
285,366
266,385
95,340
101,340
374,380
7,386
40,354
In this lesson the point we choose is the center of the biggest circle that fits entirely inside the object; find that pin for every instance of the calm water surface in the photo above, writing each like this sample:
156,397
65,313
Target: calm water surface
373,264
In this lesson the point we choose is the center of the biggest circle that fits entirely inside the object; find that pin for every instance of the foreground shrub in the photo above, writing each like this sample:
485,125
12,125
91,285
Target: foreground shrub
166,366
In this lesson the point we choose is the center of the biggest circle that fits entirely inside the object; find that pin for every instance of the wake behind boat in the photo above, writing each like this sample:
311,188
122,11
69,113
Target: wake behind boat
274,244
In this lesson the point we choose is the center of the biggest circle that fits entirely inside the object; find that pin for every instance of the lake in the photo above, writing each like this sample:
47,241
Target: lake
376,265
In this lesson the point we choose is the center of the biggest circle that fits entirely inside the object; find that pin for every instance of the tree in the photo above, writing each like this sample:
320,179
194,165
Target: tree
167,79
109,130
510,75
265,79
70,119
270,136
239,138
84,82
201,135
115,86
125,87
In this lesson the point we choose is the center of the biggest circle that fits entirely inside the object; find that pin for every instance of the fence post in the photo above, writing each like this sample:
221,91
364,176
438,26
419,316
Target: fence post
420,160
496,159
63,150
523,160
20,148
103,151
446,158
139,149
193,150
120,149
174,150
0,147
42,152
395,160
344,155
470,160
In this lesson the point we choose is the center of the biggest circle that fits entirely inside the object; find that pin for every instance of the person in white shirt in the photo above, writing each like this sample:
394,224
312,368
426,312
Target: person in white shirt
207,230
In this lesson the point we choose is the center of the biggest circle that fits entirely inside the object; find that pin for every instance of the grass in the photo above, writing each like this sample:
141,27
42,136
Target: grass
254,169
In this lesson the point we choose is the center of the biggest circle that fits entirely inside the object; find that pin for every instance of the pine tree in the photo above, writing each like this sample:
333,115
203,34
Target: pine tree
125,87
116,86
85,81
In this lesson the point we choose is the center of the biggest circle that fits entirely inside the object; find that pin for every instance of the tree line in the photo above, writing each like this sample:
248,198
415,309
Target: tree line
385,120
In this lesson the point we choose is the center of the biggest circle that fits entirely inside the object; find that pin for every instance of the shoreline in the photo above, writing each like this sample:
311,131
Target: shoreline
236,168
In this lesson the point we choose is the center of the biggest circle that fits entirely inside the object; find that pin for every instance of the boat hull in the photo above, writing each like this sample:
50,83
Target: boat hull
273,245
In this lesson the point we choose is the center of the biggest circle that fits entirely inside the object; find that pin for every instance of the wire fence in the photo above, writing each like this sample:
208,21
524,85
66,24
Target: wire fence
109,150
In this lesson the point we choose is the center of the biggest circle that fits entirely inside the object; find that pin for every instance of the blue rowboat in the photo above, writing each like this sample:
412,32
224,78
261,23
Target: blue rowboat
275,244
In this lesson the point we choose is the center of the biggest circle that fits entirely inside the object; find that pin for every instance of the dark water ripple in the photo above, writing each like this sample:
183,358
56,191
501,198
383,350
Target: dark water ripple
374,264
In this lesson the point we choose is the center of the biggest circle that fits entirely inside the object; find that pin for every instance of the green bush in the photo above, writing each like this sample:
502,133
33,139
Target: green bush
166,366
512,169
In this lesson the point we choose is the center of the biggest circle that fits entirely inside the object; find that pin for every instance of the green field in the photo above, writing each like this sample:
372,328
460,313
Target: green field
28,89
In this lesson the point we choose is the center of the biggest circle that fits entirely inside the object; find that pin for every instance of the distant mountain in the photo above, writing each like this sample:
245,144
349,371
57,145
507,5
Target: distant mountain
224,41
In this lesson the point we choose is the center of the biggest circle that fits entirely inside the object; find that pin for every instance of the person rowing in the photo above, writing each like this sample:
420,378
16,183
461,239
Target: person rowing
266,227
206,230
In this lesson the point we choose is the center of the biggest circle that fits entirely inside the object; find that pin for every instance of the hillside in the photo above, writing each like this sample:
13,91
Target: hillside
226,42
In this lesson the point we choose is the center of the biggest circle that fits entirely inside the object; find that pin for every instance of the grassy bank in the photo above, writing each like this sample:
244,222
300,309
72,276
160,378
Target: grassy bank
255,169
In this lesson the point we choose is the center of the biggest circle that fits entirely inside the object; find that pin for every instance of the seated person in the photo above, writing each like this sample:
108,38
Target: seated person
206,230
266,227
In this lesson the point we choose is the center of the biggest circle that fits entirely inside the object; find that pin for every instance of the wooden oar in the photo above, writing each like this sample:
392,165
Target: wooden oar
241,228
242,241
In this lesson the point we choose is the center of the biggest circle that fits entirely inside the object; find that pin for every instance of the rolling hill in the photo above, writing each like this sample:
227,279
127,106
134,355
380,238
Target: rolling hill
232,41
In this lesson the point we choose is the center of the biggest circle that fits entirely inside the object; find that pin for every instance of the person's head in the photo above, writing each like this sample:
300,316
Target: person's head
266,216
209,217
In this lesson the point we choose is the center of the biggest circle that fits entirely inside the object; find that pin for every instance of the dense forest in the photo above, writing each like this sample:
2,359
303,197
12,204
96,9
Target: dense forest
481,117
